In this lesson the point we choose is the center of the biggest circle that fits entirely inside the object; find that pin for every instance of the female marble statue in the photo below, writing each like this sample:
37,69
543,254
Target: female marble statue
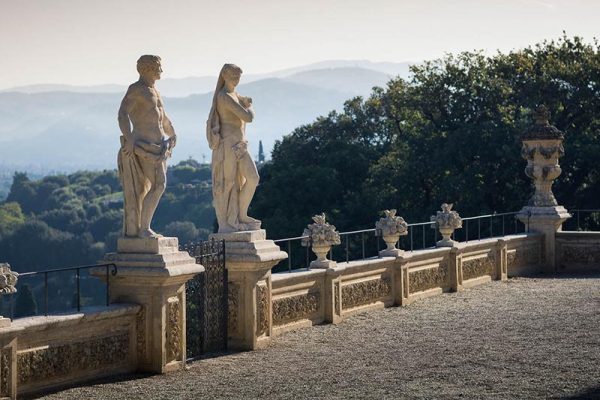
234,174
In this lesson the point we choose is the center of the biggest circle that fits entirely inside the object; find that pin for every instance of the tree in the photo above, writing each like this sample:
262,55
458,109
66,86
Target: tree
186,231
450,134
11,217
261,152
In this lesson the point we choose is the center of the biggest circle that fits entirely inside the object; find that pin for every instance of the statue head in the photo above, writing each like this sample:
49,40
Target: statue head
231,73
149,67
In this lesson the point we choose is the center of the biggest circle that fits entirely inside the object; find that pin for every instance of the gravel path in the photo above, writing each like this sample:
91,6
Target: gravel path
526,338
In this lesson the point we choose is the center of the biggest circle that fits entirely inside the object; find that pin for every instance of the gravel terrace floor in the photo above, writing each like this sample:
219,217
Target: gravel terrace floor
527,338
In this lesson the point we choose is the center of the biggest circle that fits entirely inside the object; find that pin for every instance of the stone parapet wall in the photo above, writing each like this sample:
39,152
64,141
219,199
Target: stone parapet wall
301,298
578,251
524,254
367,284
298,300
41,353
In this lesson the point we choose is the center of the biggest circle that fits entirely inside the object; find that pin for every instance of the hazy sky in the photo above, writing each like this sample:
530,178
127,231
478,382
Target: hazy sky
98,41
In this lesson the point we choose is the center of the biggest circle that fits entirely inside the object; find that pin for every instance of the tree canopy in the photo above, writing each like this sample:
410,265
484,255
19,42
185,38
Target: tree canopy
449,134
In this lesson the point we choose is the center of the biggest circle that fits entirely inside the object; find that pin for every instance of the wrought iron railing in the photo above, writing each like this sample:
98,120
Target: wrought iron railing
50,276
206,300
583,220
365,243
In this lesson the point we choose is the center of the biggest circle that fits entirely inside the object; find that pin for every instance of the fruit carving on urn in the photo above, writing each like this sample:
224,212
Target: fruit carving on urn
321,236
391,227
446,221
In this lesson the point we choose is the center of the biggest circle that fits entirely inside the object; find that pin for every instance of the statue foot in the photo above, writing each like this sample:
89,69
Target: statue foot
248,220
145,233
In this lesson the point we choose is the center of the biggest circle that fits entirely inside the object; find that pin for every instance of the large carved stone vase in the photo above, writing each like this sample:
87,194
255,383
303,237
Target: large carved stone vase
542,146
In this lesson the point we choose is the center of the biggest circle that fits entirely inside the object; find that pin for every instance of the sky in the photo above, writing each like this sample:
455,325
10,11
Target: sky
89,42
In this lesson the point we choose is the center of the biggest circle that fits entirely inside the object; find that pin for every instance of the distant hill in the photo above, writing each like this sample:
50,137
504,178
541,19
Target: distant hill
183,87
69,130
352,80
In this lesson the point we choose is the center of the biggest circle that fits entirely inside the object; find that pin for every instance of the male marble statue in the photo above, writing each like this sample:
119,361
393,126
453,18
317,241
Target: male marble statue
234,174
144,149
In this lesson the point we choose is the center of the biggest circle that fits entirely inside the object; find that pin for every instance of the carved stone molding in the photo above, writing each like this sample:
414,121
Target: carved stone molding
366,292
174,330
336,301
430,278
140,321
477,267
524,256
5,361
589,254
292,308
233,295
55,361
262,299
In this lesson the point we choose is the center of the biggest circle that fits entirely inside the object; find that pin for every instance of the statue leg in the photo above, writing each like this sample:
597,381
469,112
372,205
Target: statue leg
157,175
250,173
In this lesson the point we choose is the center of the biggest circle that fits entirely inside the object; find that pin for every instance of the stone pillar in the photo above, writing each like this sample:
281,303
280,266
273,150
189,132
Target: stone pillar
455,268
542,147
501,260
333,294
401,280
152,272
249,257
8,346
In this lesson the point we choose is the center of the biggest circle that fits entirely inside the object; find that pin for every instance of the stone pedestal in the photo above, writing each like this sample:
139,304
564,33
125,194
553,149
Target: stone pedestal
152,272
249,257
546,220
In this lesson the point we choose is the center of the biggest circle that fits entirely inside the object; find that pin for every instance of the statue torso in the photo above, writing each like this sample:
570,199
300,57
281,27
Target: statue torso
146,114
232,127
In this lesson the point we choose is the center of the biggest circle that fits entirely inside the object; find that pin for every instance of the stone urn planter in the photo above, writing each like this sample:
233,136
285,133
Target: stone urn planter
321,252
390,228
542,147
446,222
8,281
321,236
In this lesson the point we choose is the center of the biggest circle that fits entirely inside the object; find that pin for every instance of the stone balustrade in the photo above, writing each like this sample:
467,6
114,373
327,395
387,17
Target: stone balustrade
305,298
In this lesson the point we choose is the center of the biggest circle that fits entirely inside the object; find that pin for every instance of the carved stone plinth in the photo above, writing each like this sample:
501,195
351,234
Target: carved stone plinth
249,257
546,220
152,272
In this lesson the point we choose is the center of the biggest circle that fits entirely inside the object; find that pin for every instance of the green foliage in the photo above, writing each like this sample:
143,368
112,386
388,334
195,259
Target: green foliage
186,231
74,219
450,134
261,152
11,217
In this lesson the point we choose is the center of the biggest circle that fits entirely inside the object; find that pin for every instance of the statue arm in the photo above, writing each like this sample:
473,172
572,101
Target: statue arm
125,123
245,114
169,130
